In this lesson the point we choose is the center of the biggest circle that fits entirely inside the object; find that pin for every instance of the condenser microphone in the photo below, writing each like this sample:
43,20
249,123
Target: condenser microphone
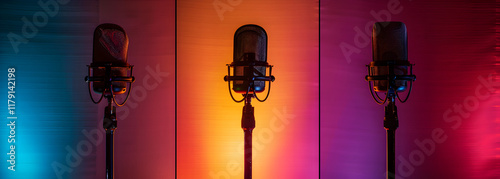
110,48
390,74
250,48
109,69
249,77
389,47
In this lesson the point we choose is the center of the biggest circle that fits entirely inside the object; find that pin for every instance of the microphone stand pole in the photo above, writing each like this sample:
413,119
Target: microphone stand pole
248,124
109,124
391,123
109,121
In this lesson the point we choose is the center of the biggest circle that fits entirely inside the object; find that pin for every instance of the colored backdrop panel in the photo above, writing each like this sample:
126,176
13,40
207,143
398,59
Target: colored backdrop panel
52,103
145,139
57,122
449,126
209,135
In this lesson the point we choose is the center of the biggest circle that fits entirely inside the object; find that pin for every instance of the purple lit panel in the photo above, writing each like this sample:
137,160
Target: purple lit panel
449,126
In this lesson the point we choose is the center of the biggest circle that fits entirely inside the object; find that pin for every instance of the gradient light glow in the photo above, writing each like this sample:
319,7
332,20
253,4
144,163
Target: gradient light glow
210,139
53,103
452,45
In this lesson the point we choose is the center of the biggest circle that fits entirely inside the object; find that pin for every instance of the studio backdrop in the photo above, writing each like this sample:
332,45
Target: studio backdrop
49,44
209,134
449,126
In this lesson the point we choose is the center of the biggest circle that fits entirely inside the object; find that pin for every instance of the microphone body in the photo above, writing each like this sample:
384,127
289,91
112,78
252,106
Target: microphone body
389,73
250,48
390,54
110,76
249,77
110,48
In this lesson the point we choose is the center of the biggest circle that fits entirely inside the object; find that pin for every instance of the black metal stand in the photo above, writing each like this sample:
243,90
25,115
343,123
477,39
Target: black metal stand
248,124
109,122
248,118
391,123
109,125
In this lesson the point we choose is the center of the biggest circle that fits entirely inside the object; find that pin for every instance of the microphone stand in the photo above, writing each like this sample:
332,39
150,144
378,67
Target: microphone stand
248,124
109,122
391,123
109,125
248,118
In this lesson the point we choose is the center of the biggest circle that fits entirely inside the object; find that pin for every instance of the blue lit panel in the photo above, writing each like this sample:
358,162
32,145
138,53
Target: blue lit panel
49,45
59,131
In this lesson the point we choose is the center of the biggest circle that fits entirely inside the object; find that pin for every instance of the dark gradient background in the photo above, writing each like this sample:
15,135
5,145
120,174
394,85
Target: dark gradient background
452,44
53,105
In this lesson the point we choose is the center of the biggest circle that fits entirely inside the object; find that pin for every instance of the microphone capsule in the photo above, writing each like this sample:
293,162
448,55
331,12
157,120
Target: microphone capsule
389,47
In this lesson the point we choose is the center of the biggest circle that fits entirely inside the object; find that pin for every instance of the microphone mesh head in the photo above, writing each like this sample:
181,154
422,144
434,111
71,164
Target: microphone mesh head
115,43
389,43
110,45
110,48
250,45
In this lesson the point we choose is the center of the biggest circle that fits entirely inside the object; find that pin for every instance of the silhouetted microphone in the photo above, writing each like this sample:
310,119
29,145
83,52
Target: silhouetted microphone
389,73
110,49
249,77
390,70
390,46
109,67
249,61
250,47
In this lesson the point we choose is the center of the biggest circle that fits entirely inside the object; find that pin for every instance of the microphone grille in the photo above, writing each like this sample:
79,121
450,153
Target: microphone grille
250,39
389,41
115,43
110,45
